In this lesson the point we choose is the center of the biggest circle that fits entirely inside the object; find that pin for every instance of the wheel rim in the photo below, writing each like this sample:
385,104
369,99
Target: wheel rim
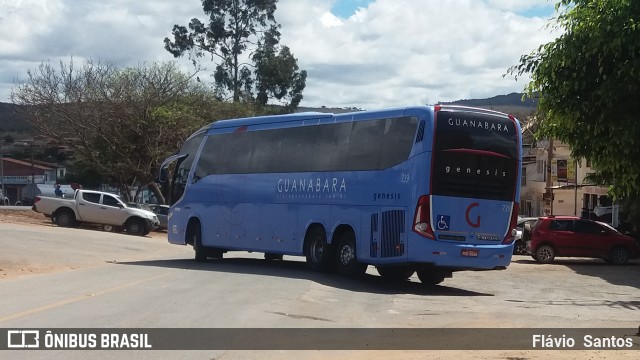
619,256
520,248
347,254
317,249
64,219
544,254
134,228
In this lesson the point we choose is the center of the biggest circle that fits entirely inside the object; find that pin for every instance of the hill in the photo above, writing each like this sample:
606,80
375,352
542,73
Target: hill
510,104
10,120
11,123
510,100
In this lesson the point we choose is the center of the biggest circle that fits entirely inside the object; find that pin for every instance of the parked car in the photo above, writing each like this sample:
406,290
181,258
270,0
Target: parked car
523,234
139,206
162,212
96,207
4,200
571,236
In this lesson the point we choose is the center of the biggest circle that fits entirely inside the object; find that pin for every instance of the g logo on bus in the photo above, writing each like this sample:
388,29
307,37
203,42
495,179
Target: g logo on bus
477,222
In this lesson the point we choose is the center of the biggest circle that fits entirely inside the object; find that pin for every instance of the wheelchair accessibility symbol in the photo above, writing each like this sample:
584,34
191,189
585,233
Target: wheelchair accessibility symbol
443,222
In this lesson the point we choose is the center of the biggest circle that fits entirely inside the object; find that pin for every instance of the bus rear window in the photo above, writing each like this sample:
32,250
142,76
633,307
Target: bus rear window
475,155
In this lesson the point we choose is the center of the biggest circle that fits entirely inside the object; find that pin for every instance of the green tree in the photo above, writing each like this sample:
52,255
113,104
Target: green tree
588,81
234,27
276,73
119,123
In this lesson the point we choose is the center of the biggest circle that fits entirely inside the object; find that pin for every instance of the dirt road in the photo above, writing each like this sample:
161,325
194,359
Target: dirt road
36,261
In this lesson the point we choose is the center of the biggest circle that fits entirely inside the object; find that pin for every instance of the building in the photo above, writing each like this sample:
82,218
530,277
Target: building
20,178
553,183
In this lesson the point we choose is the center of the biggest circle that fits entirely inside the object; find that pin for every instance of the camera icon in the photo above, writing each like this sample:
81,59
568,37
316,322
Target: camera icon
23,339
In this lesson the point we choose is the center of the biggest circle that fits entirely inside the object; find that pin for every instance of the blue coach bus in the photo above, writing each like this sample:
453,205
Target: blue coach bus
426,189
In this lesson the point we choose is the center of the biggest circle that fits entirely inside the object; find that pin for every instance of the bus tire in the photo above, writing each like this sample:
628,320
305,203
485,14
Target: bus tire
346,257
198,248
431,277
317,250
395,273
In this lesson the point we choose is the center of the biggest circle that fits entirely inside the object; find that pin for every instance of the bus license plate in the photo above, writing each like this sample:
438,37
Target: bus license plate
469,252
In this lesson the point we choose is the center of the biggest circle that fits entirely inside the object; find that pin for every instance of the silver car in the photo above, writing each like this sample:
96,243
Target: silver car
523,234
161,212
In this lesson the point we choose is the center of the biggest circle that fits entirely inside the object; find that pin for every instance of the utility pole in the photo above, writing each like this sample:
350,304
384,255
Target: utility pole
549,193
575,188
2,169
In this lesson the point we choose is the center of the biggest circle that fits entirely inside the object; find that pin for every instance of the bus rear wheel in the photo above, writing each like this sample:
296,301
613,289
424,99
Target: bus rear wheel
432,277
395,273
347,260
317,250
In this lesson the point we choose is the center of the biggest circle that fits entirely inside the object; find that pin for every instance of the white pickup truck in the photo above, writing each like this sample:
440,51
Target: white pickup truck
96,207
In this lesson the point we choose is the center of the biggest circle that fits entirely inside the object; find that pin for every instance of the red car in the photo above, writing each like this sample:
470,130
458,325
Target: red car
571,236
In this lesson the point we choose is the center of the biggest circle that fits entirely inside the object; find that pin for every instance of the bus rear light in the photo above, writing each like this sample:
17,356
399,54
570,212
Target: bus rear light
511,232
422,218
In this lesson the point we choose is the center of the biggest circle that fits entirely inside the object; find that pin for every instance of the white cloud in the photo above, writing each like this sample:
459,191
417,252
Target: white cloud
391,53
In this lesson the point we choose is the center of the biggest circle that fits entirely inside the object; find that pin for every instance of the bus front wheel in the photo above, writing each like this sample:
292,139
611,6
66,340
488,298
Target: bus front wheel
200,251
317,250
347,260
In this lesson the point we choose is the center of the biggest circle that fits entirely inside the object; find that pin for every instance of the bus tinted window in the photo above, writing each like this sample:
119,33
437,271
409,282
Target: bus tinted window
236,154
362,145
474,155
297,144
267,146
365,146
467,130
331,146
398,140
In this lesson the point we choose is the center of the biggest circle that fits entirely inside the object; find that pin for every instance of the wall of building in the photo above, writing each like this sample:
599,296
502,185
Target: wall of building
568,199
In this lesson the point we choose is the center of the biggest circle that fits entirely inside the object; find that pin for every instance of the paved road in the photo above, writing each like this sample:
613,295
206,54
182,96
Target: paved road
93,279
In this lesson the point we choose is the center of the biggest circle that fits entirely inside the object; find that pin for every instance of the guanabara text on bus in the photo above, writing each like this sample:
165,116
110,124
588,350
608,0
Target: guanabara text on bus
426,189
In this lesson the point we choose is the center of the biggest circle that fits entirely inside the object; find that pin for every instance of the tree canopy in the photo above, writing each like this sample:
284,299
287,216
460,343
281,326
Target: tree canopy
588,81
237,28
120,123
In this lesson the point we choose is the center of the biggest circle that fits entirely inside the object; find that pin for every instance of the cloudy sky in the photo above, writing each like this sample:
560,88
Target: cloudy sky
358,53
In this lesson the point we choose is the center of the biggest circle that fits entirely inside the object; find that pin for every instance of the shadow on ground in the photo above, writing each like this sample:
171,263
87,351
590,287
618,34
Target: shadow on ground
624,275
298,270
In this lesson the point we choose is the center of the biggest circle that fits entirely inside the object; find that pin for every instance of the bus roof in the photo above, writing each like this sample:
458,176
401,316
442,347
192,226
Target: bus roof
349,116
248,121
